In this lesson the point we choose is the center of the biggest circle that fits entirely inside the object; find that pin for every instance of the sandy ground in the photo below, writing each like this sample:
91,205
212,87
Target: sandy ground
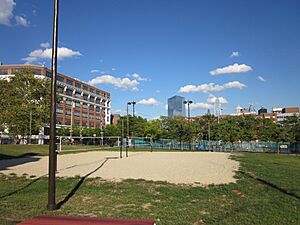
175,167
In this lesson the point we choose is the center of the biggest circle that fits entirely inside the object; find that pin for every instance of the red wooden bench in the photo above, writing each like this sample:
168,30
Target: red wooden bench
75,220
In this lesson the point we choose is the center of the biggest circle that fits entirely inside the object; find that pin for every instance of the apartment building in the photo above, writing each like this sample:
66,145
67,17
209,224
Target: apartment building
81,104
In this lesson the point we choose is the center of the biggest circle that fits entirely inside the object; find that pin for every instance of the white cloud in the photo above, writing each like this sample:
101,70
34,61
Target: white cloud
117,111
38,54
22,21
137,77
210,87
234,84
212,99
201,105
6,11
203,87
150,101
261,79
95,71
124,83
113,69
45,45
235,54
235,68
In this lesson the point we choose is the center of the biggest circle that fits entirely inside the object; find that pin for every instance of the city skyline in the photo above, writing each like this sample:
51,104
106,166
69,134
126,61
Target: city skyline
149,51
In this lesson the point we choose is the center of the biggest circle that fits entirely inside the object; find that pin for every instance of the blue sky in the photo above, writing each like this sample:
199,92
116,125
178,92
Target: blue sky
242,52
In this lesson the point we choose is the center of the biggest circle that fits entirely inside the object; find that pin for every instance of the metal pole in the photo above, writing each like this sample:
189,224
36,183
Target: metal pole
52,145
30,125
127,122
122,137
189,118
127,138
133,103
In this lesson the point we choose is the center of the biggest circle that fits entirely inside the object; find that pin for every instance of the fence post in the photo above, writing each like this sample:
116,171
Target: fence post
60,143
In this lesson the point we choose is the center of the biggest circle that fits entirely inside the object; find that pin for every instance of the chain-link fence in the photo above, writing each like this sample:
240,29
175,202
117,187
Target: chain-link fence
217,146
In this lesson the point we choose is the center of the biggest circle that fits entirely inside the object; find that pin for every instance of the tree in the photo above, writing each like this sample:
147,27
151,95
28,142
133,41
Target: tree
25,103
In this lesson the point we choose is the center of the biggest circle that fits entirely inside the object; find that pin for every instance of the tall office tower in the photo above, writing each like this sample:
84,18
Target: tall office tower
176,106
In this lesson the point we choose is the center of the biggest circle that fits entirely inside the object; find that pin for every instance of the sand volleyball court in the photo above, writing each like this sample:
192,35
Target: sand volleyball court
194,168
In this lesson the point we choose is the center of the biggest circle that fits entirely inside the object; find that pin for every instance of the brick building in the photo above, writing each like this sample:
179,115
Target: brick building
81,104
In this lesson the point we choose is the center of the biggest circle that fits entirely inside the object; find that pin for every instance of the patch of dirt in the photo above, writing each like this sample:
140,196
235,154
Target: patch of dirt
238,192
200,222
146,205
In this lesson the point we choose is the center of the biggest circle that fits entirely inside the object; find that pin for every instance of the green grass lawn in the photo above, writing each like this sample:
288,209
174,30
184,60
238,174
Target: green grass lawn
267,192
17,151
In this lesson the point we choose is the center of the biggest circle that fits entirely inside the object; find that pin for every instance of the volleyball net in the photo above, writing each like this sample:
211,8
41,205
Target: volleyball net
70,143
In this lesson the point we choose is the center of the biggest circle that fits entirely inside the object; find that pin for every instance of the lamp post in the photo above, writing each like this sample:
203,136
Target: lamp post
188,102
52,144
101,133
133,103
127,138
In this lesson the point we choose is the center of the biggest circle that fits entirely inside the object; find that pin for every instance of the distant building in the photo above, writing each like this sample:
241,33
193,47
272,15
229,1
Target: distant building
176,106
115,118
278,115
81,105
287,112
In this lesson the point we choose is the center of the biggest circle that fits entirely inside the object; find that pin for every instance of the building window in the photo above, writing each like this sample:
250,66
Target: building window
58,121
85,97
85,88
14,71
78,85
98,101
84,124
77,104
92,99
69,82
97,92
84,115
60,90
97,109
68,122
3,71
69,92
98,118
77,94
38,72
92,90
76,113
59,111
91,124
68,112
60,78
69,102
84,105
91,116
48,74
77,123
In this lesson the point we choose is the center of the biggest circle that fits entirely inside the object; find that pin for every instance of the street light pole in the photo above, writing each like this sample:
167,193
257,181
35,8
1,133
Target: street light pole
133,103
188,102
52,145
127,139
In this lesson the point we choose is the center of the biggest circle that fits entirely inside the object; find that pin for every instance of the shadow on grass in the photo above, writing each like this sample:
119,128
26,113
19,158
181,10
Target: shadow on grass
77,186
284,191
22,188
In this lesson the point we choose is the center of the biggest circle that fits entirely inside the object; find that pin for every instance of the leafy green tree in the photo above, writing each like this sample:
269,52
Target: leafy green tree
25,103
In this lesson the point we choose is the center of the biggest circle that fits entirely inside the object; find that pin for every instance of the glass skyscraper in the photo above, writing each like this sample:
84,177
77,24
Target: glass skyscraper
176,106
